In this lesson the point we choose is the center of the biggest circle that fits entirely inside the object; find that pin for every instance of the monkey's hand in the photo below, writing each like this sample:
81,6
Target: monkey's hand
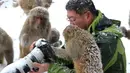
57,44
46,49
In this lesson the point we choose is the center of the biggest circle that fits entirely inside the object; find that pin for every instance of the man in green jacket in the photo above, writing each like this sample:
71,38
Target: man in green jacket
106,32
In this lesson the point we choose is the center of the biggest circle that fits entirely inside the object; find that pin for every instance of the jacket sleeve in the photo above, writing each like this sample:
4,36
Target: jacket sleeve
62,64
58,68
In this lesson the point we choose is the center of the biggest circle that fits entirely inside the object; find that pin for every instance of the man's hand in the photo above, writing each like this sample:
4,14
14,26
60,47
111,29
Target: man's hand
49,56
41,67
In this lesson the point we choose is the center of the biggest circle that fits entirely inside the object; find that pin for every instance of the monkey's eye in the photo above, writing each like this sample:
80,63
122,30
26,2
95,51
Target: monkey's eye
39,18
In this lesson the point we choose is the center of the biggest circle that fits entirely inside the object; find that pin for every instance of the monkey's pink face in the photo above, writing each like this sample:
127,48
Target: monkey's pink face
38,22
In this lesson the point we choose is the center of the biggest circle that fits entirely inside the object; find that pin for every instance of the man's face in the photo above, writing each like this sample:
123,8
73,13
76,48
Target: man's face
77,19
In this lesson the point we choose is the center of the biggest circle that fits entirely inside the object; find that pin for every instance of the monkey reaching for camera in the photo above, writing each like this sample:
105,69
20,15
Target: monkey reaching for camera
27,5
36,26
6,47
54,38
83,50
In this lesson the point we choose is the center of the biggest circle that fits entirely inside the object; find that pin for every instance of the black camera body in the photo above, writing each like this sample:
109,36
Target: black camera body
42,52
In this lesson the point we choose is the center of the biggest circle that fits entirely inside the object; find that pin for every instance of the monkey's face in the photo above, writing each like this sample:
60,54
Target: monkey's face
38,22
70,31
39,17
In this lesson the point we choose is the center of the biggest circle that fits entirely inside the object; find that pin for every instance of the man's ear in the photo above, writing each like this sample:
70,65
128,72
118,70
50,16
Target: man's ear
87,14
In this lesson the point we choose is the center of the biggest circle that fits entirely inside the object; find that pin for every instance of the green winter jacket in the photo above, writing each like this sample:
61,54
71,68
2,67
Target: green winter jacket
108,38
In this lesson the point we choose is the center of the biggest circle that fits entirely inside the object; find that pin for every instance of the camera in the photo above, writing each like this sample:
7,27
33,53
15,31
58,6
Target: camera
42,52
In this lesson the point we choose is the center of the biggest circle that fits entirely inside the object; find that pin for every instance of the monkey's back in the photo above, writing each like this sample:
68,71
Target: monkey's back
90,57
81,46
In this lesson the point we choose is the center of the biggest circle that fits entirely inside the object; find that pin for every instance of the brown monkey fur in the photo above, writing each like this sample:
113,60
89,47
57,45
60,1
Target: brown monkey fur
125,32
27,5
36,26
6,47
82,48
54,38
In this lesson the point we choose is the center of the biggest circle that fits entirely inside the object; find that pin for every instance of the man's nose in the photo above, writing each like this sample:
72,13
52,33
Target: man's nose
72,23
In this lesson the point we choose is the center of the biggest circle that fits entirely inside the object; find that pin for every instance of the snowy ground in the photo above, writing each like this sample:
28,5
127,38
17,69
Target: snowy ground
12,19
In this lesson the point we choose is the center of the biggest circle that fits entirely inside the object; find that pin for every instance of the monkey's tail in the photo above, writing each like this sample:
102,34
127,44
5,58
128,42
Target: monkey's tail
126,32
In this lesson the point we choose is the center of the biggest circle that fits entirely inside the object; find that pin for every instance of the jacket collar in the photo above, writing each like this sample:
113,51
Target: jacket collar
95,22
101,22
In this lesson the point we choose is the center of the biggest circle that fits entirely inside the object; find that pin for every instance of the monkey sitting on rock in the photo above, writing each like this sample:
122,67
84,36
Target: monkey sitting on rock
6,47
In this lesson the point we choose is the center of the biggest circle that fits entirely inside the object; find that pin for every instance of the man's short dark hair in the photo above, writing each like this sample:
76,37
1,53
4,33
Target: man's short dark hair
80,6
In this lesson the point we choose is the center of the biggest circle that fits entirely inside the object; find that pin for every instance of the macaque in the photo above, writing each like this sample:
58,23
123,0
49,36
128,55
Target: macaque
27,5
54,38
37,25
6,47
126,32
83,50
